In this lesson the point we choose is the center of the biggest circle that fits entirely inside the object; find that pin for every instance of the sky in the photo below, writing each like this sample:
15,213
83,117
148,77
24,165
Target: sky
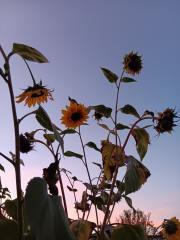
78,37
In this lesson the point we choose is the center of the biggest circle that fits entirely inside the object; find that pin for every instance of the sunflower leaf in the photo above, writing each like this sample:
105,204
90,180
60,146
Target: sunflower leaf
58,137
43,118
92,145
112,77
136,175
73,154
141,137
121,126
128,109
128,80
29,53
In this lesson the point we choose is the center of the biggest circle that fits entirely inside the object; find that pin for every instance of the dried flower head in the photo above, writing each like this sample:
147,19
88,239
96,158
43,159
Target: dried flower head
171,229
132,63
165,121
74,115
98,116
25,144
35,95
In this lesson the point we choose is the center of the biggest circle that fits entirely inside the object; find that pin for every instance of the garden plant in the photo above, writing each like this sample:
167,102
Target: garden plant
41,213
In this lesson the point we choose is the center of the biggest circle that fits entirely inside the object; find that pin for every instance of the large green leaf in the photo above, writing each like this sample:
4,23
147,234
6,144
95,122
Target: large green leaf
93,145
129,109
45,213
29,53
72,154
135,176
141,137
43,118
129,232
112,77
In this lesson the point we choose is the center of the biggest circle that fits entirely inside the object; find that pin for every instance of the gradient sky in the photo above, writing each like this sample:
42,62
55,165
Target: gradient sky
78,37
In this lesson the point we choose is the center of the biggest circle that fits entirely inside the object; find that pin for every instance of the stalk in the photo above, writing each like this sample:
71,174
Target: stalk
17,148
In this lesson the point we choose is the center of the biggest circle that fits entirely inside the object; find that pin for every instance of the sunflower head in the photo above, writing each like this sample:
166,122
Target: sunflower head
171,229
132,63
25,144
98,116
35,95
165,121
74,115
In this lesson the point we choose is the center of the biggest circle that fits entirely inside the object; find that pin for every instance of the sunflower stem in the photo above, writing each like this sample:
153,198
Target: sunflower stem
34,81
17,148
87,169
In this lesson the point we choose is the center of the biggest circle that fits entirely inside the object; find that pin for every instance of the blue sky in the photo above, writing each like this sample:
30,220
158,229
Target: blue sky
78,37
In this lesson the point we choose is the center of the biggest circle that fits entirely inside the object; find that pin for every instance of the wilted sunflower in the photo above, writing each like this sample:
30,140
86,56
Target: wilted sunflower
25,144
132,63
74,115
171,229
165,121
35,95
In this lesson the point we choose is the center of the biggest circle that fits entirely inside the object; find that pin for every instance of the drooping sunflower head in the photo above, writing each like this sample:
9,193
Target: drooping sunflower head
35,95
132,63
25,144
74,115
166,121
171,229
98,116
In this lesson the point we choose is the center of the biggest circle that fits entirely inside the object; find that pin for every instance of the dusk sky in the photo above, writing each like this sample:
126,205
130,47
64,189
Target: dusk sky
78,37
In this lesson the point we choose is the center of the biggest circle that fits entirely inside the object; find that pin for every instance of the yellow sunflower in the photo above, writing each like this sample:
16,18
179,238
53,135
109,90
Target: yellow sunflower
171,229
35,95
74,115
132,63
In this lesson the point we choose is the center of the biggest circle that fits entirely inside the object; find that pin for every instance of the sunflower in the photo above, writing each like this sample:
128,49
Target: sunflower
25,144
132,63
165,121
171,229
74,115
35,95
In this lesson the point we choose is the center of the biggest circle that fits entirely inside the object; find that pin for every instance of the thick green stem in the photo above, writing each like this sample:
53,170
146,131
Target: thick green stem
17,148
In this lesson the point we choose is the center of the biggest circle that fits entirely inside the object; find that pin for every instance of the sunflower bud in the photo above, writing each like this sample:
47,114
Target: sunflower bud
25,144
132,63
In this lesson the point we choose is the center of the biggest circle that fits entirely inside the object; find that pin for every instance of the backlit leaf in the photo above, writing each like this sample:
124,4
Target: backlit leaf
141,137
127,80
72,154
68,131
128,109
29,53
92,145
43,118
121,126
112,77
135,176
